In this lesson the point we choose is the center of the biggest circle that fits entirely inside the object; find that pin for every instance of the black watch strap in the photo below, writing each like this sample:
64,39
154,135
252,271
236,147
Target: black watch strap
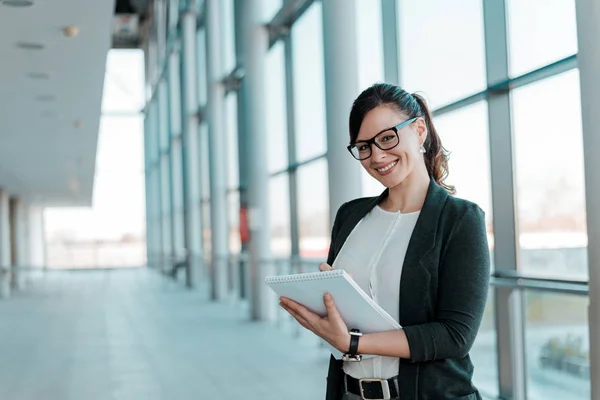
354,336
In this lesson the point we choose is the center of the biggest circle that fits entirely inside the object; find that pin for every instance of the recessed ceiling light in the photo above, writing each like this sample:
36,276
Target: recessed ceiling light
30,46
46,98
17,3
38,75
71,31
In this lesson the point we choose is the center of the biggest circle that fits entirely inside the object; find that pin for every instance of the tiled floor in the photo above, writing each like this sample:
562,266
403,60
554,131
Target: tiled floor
133,334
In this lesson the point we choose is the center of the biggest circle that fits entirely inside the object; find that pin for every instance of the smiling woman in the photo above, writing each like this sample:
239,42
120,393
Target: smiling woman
419,252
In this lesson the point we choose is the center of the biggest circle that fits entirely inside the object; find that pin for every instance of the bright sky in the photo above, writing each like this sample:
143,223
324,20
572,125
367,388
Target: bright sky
118,206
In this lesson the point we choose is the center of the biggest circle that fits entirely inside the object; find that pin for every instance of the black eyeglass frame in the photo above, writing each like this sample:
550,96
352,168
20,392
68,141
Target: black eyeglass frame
372,141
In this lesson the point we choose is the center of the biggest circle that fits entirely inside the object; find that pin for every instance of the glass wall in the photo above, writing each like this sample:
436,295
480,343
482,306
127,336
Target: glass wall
550,180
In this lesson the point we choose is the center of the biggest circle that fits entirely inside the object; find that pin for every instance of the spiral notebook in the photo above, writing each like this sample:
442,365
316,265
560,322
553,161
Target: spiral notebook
357,309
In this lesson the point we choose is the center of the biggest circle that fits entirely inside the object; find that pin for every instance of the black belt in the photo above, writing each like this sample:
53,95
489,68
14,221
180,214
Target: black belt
373,388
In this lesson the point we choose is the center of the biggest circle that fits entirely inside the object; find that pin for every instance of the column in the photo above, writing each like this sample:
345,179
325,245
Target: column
588,31
191,156
341,78
255,48
218,151
5,251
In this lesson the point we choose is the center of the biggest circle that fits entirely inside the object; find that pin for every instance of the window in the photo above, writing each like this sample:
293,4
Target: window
442,48
276,121
313,210
370,43
550,178
483,353
540,32
464,133
309,84
557,346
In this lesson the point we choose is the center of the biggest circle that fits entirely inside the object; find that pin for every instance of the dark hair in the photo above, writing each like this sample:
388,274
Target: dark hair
413,105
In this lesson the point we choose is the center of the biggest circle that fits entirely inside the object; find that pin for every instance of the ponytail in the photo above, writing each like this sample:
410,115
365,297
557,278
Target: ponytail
436,156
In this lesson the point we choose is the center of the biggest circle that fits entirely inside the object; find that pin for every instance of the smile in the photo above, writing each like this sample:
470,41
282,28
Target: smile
387,167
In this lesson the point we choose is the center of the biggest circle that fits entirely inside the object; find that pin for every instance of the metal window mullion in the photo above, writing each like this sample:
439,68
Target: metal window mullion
508,301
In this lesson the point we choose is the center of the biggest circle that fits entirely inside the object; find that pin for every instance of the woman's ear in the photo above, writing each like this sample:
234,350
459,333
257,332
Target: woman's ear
421,128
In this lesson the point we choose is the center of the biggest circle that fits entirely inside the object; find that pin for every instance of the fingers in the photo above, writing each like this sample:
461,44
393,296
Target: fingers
298,311
325,267
332,311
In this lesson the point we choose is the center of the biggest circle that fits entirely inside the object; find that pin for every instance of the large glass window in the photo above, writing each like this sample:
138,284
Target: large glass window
464,133
557,346
550,179
279,216
484,352
370,43
540,32
309,84
442,48
313,210
275,102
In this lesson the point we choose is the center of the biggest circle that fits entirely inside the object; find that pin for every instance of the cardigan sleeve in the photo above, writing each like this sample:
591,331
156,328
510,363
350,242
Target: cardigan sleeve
464,275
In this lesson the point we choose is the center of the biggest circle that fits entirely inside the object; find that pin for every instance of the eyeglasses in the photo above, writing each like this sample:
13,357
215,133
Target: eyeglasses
385,140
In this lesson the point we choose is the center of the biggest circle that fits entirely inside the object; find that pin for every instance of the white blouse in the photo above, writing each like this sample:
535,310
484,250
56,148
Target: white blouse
374,254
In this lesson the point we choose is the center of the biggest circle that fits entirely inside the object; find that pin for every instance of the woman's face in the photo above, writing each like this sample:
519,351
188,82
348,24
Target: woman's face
391,167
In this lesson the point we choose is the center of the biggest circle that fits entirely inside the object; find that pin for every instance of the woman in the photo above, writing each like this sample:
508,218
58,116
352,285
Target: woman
420,253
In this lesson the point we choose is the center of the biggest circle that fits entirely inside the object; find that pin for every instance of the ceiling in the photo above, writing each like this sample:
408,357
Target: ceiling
50,99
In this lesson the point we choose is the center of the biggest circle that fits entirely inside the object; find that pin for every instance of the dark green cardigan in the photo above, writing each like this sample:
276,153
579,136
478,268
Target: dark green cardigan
443,292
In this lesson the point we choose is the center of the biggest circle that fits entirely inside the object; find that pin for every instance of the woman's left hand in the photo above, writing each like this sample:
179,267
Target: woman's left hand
331,327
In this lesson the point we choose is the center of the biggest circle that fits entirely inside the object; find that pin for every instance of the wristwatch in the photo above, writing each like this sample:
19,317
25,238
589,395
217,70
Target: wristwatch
352,354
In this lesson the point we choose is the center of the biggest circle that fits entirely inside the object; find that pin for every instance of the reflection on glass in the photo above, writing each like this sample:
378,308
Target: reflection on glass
550,179
442,48
309,84
484,352
279,216
548,26
557,346
275,102
369,42
231,143
464,133
313,210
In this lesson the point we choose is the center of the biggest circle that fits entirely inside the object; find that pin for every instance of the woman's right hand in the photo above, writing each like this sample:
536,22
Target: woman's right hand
325,267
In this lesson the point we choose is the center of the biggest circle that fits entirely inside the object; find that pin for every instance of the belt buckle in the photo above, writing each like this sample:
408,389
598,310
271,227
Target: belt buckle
385,388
